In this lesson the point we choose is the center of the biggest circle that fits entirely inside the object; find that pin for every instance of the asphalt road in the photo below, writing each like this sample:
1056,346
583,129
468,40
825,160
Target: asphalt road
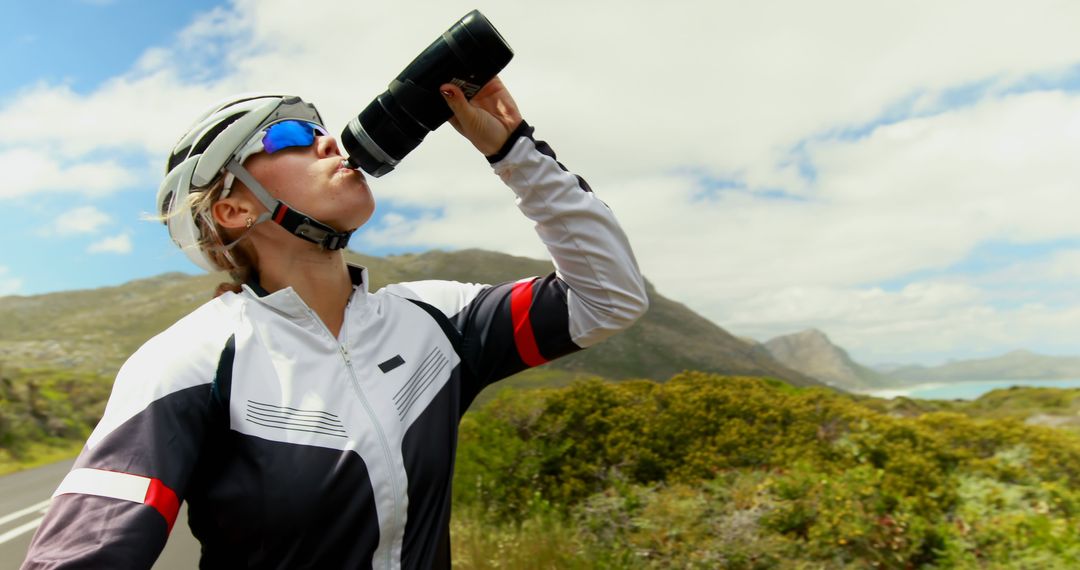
24,496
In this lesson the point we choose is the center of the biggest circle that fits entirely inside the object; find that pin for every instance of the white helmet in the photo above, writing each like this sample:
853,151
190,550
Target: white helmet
212,147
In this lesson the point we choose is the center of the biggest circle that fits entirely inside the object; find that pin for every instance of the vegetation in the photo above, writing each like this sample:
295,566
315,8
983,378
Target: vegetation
708,471
1055,407
47,414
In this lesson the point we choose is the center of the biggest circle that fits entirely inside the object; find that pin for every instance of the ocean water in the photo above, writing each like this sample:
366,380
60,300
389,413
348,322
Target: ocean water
968,389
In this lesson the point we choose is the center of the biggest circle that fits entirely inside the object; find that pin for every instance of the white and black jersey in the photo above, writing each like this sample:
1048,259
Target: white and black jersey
295,448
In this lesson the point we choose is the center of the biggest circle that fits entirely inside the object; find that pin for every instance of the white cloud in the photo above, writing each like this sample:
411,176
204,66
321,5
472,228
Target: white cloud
911,196
9,285
635,99
1063,266
84,220
28,171
928,322
1058,267
746,79
119,244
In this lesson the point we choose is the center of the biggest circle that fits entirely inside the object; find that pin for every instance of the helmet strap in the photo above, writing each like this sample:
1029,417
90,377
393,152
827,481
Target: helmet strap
294,221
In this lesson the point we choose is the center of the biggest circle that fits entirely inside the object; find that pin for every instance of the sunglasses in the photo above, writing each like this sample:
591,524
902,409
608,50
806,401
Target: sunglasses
278,136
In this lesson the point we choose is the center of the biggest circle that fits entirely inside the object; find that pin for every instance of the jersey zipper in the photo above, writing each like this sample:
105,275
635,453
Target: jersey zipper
383,442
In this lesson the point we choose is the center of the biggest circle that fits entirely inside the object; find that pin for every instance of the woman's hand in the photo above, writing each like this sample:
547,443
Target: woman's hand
488,119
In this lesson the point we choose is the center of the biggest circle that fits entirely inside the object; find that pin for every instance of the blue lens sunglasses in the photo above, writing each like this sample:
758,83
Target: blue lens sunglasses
278,136
287,134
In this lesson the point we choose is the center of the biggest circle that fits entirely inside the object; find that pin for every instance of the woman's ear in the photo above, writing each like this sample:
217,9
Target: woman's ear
235,212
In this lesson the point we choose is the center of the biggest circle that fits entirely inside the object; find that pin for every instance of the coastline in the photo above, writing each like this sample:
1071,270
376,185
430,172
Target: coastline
898,391
962,389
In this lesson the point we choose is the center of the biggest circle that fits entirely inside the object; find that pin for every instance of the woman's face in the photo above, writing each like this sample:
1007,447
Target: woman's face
312,180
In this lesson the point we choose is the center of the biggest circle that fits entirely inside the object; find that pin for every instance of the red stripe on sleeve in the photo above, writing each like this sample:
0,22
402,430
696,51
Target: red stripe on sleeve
520,302
164,500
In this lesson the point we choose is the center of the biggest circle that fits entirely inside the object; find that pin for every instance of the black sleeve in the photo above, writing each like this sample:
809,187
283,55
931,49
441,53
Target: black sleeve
117,506
513,326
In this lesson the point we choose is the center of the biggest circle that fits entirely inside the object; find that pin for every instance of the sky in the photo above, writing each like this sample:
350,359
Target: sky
904,176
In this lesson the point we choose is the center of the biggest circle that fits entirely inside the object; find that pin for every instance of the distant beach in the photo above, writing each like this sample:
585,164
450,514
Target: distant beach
964,389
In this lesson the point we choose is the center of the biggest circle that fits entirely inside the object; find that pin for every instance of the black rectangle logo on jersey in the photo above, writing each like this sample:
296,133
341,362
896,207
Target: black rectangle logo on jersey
391,364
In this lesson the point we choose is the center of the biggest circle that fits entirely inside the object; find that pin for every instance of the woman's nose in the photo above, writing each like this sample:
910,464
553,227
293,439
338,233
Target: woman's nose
326,146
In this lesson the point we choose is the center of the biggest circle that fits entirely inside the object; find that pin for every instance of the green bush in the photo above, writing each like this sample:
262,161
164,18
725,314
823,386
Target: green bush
707,471
48,407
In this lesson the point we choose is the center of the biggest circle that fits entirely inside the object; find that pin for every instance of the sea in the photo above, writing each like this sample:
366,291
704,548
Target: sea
966,389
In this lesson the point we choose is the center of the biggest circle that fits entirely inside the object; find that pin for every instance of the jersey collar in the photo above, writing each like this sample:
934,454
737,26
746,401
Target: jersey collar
288,303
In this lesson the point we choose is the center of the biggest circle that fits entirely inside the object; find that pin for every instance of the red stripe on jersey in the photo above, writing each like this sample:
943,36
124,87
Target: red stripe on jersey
520,302
164,500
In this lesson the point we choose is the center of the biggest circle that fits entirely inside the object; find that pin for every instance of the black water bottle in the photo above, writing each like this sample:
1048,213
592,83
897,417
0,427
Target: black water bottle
468,55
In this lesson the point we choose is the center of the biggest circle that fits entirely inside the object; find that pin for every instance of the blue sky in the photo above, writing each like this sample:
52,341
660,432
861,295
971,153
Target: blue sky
80,45
894,175
84,42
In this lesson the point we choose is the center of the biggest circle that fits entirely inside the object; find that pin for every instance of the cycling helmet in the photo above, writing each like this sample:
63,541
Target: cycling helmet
216,145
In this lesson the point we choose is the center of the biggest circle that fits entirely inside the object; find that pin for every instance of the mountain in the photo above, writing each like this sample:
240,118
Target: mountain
890,367
812,353
1015,365
95,330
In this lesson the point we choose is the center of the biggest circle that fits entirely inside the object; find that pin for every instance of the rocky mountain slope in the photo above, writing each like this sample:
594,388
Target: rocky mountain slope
812,352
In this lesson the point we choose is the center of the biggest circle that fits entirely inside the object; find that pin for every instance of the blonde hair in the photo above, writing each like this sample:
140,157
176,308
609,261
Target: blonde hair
237,256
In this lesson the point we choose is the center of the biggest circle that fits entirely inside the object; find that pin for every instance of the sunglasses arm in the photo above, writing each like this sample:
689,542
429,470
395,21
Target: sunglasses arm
294,221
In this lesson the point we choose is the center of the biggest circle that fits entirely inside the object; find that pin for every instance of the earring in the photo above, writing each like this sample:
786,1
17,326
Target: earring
249,222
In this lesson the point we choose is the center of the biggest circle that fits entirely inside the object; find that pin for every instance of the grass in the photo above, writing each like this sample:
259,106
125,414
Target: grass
542,541
38,454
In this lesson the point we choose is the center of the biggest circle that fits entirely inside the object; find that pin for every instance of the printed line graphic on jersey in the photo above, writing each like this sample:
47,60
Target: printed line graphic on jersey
428,370
314,421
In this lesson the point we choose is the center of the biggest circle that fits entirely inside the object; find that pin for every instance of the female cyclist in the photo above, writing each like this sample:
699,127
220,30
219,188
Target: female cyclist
306,421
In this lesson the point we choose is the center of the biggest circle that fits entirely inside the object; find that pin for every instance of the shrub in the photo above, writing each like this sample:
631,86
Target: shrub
711,471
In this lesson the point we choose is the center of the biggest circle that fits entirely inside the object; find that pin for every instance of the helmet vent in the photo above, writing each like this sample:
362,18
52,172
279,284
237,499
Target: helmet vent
176,158
204,141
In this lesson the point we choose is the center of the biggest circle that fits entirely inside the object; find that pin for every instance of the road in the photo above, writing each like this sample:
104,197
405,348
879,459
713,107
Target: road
24,496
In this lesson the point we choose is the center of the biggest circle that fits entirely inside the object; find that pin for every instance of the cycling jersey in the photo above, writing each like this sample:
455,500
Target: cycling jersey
296,448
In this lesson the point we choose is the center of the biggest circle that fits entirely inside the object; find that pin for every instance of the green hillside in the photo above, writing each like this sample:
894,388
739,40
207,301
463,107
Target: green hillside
97,330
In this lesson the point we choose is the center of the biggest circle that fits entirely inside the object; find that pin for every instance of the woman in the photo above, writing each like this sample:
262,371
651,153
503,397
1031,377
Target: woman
308,422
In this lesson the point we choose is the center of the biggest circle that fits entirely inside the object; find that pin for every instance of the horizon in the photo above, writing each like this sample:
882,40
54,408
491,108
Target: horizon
891,174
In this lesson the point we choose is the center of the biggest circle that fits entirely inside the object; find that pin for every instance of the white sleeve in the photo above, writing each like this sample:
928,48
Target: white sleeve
591,252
